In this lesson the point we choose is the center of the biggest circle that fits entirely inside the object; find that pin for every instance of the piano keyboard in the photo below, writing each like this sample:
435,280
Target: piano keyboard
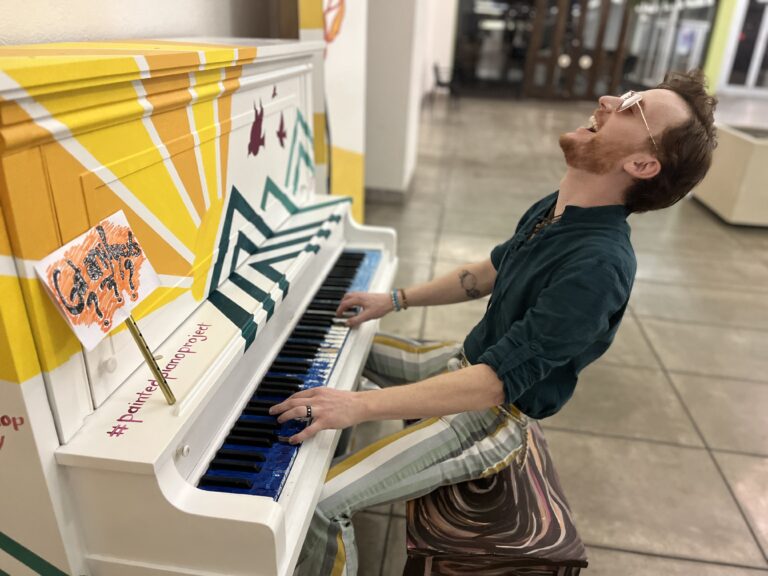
255,457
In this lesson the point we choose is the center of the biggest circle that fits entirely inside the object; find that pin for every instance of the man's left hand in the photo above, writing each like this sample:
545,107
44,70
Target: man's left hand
330,409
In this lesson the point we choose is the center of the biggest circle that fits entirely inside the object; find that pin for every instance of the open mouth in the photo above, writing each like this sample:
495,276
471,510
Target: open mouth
592,127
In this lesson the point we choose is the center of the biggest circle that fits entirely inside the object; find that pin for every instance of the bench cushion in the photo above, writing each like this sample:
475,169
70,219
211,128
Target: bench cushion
514,522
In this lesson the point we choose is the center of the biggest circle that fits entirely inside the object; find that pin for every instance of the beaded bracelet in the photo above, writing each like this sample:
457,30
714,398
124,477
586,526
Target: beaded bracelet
395,302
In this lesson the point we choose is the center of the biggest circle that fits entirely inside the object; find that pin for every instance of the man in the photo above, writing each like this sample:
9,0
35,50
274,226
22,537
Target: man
558,287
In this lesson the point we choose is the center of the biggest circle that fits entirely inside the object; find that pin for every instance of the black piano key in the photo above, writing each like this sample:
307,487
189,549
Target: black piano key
327,306
245,440
331,290
320,330
304,334
240,429
211,481
308,335
278,389
257,425
333,317
305,363
325,301
299,353
287,382
290,367
318,322
300,346
345,275
344,267
257,403
234,466
309,316
282,380
256,411
291,355
330,314
314,329
277,392
246,455
338,282
330,294
295,342
259,407
246,433
325,324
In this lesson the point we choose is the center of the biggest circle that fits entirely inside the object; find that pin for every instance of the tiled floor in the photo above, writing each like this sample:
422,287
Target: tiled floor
663,451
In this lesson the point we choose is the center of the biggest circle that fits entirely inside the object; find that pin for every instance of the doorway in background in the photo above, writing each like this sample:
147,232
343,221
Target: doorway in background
578,49
492,39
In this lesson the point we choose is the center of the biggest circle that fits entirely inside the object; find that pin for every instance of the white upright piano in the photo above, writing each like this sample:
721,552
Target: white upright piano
208,147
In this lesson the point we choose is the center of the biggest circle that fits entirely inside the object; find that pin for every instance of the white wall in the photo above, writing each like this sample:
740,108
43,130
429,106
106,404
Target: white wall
405,39
35,21
416,87
438,37
389,94
345,67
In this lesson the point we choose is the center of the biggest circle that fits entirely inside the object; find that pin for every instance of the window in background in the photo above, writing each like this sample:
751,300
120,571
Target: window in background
668,36
748,68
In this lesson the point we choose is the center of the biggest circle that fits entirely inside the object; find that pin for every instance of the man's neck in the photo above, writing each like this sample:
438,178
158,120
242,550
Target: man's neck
584,189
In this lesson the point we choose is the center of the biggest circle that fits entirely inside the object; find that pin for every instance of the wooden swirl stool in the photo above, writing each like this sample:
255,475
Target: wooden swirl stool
514,523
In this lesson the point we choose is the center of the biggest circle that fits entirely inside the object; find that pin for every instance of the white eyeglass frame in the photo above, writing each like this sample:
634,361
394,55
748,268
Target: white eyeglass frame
629,99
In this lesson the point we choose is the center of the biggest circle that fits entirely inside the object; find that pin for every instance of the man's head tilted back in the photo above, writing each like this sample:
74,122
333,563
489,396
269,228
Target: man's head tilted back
656,144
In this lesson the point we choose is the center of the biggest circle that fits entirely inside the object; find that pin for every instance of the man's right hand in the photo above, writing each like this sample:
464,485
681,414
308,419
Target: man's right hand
371,305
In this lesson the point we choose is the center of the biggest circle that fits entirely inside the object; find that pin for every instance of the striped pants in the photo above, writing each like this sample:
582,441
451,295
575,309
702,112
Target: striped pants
405,465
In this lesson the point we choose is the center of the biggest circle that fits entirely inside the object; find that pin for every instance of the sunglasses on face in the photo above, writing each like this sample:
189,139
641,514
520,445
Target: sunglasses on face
632,98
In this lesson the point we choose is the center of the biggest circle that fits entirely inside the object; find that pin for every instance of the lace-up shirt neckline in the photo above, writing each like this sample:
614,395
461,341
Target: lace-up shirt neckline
547,220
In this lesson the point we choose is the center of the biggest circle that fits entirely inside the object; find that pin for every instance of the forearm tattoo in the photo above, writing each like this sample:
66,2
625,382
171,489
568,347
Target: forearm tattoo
468,281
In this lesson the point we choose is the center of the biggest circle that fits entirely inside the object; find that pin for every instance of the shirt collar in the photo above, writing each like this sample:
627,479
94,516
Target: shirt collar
610,213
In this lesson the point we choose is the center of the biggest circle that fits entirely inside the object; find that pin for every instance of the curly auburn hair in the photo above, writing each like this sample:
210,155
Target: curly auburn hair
685,150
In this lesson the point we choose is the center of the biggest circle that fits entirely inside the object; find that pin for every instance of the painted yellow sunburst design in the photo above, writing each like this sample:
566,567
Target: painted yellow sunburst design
120,124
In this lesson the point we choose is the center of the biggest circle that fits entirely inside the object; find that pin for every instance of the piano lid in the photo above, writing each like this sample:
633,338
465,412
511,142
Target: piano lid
135,426
63,66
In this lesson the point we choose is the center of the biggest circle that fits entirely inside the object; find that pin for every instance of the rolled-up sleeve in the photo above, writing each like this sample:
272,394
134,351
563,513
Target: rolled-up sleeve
570,314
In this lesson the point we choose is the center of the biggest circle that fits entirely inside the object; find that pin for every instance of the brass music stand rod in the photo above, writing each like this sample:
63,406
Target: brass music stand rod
149,358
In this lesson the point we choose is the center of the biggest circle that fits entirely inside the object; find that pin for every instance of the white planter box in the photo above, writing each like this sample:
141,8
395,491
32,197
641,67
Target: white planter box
736,187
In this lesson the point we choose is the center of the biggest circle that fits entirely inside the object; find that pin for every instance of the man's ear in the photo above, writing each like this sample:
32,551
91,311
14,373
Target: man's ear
642,166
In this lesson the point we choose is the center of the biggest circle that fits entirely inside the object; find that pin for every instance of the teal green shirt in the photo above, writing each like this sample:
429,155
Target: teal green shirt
556,304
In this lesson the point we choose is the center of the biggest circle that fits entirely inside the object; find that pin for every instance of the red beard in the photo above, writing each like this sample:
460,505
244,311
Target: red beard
592,156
